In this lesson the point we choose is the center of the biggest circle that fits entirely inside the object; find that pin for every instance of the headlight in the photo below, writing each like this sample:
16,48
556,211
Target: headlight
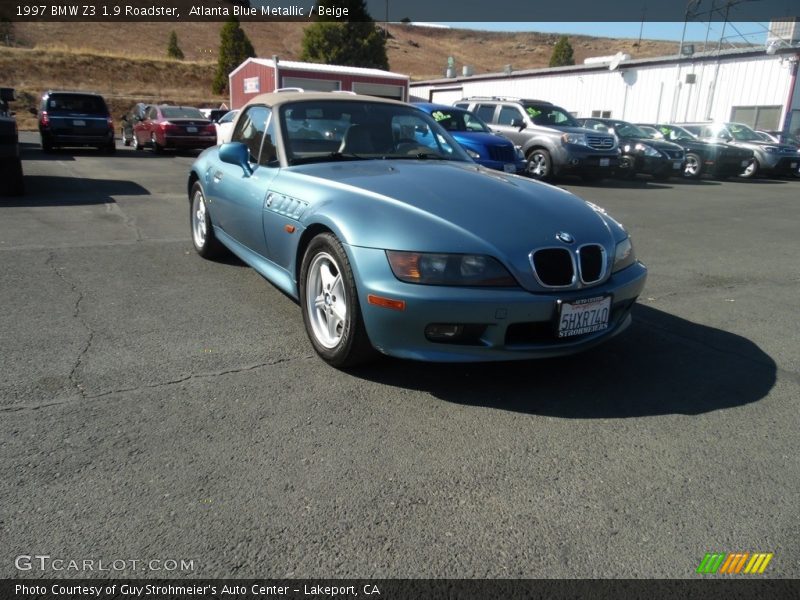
770,149
574,138
448,269
472,153
624,255
647,150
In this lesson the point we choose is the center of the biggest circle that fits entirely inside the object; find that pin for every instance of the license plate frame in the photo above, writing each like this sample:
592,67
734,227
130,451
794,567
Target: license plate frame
191,129
571,321
78,123
677,164
509,167
604,162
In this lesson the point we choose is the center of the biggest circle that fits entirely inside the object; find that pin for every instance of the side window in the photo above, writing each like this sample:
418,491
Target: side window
269,153
508,114
250,129
152,113
485,112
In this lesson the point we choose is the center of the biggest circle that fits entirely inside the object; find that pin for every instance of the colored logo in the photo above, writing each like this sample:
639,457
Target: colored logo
735,563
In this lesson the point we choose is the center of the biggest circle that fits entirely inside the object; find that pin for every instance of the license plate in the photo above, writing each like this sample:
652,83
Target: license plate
745,163
676,164
604,162
794,165
584,316
191,130
79,123
509,168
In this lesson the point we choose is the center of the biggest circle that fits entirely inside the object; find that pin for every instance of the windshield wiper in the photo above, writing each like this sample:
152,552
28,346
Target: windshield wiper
420,156
333,156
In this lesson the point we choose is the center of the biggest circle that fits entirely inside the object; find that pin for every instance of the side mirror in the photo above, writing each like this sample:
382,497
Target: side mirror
236,153
519,124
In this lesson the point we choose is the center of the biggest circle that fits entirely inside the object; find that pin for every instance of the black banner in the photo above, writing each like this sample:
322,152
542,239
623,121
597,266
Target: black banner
398,589
399,10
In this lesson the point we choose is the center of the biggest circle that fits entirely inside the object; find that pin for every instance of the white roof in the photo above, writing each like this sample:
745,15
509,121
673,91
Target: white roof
320,68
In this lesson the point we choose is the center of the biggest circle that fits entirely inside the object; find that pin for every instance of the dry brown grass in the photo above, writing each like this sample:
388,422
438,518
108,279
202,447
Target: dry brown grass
127,62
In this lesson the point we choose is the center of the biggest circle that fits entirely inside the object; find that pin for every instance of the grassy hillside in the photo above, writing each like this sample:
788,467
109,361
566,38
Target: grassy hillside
127,61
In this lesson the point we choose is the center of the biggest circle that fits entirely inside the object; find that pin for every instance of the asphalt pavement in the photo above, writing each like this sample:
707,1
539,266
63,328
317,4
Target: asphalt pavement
155,406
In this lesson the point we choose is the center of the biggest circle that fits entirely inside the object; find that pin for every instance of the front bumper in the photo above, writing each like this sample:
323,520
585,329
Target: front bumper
518,324
657,165
572,158
779,164
519,166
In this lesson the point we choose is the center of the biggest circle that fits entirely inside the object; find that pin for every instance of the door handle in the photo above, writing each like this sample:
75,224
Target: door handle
218,176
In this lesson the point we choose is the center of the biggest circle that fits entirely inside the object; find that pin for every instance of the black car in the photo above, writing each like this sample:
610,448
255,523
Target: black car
718,159
639,153
75,119
129,119
11,182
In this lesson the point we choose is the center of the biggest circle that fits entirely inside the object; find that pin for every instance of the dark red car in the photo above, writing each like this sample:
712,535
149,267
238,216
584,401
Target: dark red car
179,127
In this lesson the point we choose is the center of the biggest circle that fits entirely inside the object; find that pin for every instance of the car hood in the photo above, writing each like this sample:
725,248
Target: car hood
480,138
448,206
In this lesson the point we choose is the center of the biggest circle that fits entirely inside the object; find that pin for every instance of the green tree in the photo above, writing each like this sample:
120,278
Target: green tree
173,49
562,53
356,42
234,48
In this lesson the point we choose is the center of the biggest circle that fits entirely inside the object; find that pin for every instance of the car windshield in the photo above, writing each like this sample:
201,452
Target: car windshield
673,133
743,133
229,116
625,129
459,120
547,114
329,130
181,112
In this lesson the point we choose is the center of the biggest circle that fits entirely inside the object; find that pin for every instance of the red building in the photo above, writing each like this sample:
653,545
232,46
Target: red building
262,75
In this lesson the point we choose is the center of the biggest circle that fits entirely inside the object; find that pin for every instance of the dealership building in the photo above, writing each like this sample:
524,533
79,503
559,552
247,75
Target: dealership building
756,86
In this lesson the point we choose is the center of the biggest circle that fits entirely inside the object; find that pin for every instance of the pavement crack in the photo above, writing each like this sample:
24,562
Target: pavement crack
194,376
76,314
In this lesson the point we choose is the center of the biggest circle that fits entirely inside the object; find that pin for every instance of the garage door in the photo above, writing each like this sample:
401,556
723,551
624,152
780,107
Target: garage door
311,85
447,96
382,90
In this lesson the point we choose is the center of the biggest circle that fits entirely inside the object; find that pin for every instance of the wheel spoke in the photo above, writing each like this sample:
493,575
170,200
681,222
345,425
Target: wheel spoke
326,276
333,326
319,302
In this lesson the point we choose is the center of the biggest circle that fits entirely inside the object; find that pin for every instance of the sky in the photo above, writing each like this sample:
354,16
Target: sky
753,32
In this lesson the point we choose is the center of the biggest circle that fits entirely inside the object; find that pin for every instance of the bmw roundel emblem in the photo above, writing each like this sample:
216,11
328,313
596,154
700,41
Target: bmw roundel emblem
565,237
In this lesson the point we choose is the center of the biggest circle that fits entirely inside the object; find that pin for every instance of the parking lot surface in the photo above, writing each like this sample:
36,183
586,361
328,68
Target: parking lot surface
154,405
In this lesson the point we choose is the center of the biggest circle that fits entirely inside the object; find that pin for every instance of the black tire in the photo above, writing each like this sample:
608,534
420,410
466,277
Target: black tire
693,168
751,171
136,144
47,147
154,144
203,239
12,182
109,148
626,169
540,165
341,341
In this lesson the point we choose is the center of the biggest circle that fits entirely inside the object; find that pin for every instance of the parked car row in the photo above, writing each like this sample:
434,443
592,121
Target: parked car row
550,142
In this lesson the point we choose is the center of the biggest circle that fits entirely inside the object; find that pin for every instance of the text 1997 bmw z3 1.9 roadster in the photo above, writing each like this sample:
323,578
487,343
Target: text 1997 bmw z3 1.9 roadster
394,241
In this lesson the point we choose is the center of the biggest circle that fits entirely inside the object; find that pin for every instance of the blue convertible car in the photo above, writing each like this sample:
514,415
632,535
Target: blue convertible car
394,241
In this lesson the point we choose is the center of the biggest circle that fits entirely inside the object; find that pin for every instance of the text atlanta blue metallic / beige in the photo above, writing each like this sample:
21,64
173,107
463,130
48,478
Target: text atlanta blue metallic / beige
394,241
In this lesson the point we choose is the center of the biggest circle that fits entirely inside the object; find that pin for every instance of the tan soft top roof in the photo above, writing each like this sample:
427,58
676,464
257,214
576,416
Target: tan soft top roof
276,98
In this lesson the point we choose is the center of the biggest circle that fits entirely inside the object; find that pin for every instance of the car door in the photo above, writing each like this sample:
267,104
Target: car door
507,120
237,198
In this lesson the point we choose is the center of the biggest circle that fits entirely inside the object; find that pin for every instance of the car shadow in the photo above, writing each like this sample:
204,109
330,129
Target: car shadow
758,181
662,365
50,190
637,183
